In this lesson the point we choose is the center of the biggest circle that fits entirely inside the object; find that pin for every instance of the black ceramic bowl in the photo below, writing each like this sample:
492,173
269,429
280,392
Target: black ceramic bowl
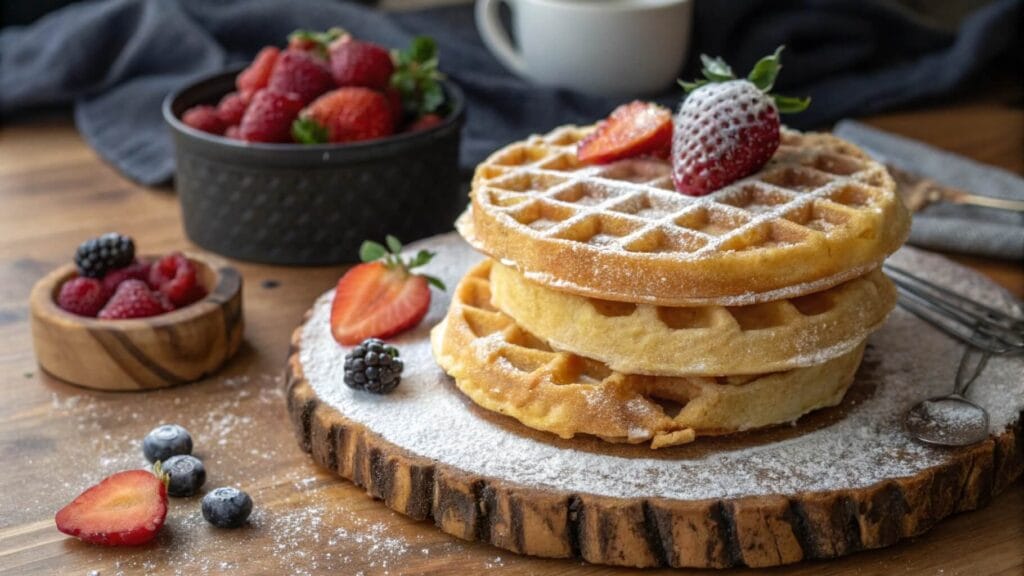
312,204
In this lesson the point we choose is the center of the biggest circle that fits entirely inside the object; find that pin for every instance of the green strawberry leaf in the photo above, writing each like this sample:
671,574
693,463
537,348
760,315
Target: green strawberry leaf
691,86
422,49
422,257
393,244
716,70
436,283
371,251
790,104
417,79
766,70
762,76
309,131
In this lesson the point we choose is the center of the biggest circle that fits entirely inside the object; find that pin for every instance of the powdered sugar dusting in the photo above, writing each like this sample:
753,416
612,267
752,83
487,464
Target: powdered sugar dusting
814,194
913,360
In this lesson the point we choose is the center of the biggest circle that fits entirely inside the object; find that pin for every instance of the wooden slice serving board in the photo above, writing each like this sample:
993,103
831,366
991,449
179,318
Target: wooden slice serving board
841,480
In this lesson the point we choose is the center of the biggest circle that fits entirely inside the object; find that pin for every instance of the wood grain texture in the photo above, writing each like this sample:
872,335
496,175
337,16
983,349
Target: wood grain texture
55,439
755,531
140,354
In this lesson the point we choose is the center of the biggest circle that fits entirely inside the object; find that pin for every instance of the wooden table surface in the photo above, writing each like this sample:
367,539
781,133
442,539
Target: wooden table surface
56,439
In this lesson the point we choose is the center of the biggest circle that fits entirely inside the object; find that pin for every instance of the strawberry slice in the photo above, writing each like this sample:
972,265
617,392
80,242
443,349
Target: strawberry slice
125,509
381,297
634,129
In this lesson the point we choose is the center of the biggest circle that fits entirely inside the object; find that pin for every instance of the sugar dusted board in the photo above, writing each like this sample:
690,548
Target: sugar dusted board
841,480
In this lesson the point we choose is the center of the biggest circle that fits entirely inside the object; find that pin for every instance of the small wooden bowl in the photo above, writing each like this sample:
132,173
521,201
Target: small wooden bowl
145,353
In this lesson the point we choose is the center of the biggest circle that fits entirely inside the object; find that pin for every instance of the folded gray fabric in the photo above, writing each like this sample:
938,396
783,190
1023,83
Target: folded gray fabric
114,60
945,226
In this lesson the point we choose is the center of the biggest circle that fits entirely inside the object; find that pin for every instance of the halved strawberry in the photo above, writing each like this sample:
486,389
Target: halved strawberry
634,129
381,297
125,509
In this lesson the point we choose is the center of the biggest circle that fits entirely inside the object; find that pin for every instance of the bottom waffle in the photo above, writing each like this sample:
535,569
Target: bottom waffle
504,368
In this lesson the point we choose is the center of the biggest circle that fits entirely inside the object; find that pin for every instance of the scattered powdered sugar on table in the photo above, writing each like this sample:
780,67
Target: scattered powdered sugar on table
426,416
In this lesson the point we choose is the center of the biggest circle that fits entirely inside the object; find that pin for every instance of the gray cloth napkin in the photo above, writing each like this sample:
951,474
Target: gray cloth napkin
945,226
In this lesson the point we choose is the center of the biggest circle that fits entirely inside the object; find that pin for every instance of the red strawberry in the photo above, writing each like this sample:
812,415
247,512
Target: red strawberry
269,117
256,76
634,129
300,73
231,108
726,128
345,115
125,509
233,133
425,122
357,63
204,118
83,296
175,277
134,271
380,298
133,299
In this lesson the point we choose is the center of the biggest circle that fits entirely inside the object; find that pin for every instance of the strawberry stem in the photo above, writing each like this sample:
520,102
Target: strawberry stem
371,251
762,75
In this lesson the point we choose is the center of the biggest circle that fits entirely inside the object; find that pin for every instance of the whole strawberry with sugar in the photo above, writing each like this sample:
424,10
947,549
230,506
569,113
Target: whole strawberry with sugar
727,128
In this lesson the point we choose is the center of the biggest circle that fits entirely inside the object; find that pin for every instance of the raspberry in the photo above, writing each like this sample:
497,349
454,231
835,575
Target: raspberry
83,296
133,299
373,366
96,256
174,276
134,271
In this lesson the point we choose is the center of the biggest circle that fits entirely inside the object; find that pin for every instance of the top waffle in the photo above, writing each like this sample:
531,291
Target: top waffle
819,213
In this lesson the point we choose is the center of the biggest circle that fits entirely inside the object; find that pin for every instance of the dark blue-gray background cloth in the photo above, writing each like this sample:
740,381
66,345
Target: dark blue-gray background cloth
115,60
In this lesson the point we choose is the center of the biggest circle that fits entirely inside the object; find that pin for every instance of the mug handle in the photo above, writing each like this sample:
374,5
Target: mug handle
494,35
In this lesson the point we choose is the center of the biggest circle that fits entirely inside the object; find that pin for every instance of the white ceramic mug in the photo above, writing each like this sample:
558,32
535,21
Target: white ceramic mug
616,48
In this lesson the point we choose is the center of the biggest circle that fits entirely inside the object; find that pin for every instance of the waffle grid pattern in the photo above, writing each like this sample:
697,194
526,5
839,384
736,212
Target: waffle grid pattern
817,191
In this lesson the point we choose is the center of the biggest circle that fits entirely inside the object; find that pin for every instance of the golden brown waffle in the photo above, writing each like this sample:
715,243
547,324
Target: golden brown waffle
504,368
702,340
819,213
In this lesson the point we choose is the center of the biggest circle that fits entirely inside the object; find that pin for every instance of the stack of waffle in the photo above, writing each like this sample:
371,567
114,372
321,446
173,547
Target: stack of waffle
613,306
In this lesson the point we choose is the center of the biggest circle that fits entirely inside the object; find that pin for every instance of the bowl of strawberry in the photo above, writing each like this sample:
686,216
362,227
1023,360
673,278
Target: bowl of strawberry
311,148
113,320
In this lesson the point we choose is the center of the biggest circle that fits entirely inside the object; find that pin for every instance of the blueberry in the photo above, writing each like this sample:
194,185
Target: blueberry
227,507
165,441
186,474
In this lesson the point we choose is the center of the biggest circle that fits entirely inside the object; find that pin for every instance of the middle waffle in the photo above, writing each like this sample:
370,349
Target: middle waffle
701,340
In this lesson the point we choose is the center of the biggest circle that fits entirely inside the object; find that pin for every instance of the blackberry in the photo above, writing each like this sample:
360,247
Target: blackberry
97,256
373,366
